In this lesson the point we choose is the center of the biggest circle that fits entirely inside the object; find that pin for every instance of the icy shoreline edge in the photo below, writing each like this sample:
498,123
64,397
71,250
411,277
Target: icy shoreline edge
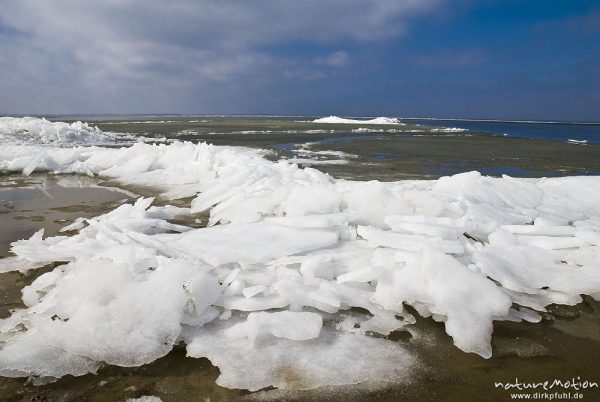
287,253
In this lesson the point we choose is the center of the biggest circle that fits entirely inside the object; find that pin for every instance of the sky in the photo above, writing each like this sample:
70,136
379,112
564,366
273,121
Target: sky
500,59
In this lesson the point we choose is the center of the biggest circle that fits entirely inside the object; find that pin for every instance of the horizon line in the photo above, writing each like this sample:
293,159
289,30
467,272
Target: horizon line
483,120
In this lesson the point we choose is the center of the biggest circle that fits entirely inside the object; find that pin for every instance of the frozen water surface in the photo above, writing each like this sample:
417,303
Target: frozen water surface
298,278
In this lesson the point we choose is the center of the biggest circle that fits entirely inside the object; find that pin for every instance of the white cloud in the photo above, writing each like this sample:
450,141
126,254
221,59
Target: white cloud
335,59
99,52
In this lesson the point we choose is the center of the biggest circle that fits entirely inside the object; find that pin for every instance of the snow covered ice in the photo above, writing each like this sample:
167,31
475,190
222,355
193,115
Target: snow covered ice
375,121
289,265
32,130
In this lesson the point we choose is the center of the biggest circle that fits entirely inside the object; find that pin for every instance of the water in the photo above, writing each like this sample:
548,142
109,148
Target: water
556,131
552,131
390,152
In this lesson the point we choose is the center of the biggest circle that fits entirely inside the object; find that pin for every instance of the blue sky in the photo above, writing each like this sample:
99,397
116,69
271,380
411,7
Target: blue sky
528,59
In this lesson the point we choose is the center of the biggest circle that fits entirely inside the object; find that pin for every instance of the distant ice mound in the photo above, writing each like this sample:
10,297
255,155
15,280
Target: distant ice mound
449,130
36,131
340,120
295,270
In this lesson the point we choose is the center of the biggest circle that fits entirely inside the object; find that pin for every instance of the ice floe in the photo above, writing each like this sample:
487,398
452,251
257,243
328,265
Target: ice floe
341,120
578,142
449,130
145,398
333,359
295,270
307,156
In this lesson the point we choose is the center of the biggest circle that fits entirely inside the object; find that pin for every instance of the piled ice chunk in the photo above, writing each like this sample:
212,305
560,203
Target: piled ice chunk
36,131
295,269
341,120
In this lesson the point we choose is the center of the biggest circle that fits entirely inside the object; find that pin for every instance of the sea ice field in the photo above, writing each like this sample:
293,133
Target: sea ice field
296,255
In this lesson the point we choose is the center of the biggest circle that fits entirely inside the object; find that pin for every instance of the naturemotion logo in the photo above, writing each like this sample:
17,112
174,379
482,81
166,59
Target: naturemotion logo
562,389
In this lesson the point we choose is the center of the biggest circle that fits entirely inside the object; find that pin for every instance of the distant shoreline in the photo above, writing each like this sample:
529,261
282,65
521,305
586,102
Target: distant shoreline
582,123
53,116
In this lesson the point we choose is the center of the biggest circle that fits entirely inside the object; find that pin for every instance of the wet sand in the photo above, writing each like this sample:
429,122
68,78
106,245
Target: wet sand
387,156
28,204
409,157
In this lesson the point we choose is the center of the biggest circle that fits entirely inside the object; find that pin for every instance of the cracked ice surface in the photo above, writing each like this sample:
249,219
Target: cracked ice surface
266,290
